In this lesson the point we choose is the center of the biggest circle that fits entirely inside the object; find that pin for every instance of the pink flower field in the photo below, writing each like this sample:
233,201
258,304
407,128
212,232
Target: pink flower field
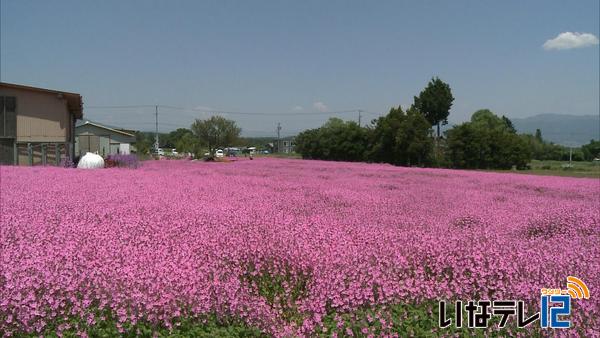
290,247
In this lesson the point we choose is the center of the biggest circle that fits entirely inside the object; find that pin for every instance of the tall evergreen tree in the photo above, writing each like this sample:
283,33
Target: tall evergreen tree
509,125
435,102
538,135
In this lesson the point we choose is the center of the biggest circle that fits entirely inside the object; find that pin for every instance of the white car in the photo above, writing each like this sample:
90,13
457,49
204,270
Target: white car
160,152
219,153
174,152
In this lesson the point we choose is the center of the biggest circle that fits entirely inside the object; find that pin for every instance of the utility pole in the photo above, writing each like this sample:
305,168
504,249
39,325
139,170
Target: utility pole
570,156
359,116
156,135
278,135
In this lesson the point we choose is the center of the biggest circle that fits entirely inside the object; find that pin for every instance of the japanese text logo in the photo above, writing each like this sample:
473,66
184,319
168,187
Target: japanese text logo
555,307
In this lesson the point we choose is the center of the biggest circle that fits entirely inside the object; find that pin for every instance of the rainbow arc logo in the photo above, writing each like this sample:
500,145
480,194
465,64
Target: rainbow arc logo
553,315
577,289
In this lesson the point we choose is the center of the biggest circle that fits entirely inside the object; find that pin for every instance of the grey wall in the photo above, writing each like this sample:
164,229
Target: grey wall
92,138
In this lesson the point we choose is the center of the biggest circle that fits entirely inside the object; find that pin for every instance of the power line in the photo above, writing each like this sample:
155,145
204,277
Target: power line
215,111
193,113
263,114
120,107
183,125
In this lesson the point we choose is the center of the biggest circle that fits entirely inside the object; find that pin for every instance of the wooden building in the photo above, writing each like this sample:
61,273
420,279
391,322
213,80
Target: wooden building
37,125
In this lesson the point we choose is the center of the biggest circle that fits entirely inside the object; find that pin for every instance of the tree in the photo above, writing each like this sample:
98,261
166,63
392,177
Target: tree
142,143
188,143
541,150
487,142
307,144
383,137
343,141
591,150
401,139
538,135
509,125
173,138
336,140
413,140
485,118
435,102
215,132
465,148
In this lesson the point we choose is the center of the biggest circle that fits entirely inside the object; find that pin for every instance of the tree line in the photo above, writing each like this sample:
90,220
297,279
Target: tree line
203,136
402,137
405,137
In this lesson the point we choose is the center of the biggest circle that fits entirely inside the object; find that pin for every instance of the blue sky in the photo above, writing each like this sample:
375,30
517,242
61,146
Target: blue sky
300,57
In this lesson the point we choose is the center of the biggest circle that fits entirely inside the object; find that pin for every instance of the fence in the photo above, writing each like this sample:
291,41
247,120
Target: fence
40,153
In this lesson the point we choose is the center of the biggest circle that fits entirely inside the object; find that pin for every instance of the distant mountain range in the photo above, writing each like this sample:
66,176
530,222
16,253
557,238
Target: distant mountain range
568,130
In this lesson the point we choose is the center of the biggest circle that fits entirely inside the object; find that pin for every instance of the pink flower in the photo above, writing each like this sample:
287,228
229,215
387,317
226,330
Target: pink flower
185,239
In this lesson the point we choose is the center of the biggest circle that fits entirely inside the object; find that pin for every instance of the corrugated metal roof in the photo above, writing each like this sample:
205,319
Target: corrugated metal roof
113,129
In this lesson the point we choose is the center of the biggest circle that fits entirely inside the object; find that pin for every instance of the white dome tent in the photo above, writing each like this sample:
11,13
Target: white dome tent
91,161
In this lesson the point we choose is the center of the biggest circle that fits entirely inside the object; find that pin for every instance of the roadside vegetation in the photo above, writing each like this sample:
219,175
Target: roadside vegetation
563,168
406,136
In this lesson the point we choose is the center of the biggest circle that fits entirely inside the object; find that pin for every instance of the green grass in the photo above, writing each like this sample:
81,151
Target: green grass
280,155
417,320
561,168
184,327
547,168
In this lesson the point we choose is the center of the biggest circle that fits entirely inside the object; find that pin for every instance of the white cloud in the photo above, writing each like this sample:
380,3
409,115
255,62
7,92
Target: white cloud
298,108
320,106
569,40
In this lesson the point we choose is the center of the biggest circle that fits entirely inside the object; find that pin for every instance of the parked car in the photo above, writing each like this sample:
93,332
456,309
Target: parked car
174,152
160,152
219,153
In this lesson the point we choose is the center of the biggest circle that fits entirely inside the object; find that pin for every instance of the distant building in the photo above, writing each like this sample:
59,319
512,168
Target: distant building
232,151
37,125
285,145
101,139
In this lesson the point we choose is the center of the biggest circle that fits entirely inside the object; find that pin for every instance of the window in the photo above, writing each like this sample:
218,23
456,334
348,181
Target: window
8,116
